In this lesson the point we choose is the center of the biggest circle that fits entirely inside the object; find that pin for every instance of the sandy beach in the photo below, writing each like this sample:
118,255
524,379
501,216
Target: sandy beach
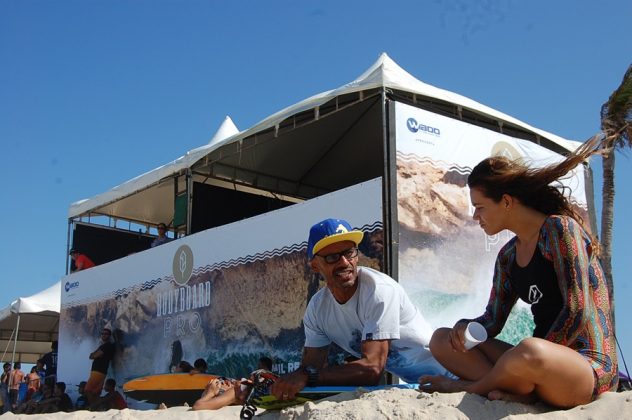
385,404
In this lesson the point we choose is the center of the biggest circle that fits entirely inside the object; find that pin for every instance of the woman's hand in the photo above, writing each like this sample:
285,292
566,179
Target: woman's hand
457,336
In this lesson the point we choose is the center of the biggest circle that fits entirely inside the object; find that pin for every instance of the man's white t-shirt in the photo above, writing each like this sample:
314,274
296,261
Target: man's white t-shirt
379,310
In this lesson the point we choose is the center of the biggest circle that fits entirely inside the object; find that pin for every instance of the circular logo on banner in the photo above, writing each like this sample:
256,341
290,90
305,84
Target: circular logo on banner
182,265
502,148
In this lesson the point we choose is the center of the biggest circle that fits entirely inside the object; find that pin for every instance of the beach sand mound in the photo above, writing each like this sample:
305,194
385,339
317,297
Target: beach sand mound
401,404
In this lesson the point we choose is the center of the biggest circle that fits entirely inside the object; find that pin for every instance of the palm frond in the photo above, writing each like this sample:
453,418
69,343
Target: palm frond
616,114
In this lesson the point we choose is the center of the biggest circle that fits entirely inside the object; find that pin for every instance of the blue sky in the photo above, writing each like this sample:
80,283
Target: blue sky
93,93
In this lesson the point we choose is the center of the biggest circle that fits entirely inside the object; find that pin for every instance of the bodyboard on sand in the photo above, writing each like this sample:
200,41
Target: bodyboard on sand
269,402
169,388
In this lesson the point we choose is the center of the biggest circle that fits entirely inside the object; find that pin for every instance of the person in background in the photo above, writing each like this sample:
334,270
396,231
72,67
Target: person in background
39,402
33,381
81,261
199,366
220,392
4,387
265,363
364,311
111,400
64,402
101,358
552,263
162,236
50,361
183,367
41,370
15,380
82,402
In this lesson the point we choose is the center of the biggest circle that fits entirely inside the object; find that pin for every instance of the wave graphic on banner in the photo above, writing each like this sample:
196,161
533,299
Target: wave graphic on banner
414,158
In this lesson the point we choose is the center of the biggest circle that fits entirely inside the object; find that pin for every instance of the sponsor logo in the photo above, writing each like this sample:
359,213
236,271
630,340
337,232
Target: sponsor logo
503,148
69,286
416,127
534,294
183,265
341,229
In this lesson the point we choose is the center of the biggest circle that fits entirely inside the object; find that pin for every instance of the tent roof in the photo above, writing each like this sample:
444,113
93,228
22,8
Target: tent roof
39,322
225,130
384,73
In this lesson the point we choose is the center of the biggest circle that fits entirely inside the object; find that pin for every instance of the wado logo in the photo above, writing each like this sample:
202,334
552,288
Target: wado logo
70,285
414,127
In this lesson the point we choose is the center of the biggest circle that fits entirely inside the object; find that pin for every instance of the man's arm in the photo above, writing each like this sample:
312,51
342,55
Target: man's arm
364,371
287,386
96,354
79,263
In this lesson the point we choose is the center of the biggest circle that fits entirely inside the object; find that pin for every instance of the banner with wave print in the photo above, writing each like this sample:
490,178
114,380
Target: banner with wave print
228,295
445,259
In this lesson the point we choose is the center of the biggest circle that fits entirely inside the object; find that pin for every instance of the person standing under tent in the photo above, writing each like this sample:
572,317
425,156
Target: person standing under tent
162,237
81,261
50,362
4,387
33,381
15,380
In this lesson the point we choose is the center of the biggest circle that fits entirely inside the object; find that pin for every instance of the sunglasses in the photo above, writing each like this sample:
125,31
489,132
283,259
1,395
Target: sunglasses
334,258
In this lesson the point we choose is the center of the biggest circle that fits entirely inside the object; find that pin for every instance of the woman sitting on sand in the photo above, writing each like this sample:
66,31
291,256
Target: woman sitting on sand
220,392
551,263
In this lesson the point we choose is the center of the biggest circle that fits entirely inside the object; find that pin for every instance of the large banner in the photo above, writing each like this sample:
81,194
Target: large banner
445,259
228,295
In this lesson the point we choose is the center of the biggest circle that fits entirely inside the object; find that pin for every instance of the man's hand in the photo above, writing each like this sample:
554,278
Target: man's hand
286,387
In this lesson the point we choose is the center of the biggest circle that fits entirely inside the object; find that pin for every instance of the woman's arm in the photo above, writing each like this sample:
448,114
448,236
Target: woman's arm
502,297
570,251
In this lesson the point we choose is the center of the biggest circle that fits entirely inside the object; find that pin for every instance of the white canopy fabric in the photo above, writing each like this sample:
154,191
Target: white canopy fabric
225,130
38,325
385,73
136,210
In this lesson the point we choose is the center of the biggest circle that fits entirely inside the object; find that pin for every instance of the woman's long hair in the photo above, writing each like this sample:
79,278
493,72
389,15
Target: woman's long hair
533,187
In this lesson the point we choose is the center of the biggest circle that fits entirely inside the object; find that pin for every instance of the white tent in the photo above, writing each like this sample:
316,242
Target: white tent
226,129
253,150
29,324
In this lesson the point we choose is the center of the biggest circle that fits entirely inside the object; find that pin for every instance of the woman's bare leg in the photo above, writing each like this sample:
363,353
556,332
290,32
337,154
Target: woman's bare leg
470,365
538,368
556,374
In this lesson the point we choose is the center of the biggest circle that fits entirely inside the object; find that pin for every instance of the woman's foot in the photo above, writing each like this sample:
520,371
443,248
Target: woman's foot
498,395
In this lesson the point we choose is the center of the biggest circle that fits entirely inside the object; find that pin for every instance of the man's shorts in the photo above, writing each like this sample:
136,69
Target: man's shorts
95,383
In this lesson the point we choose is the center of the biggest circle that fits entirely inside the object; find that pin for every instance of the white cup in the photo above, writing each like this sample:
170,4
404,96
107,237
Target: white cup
475,334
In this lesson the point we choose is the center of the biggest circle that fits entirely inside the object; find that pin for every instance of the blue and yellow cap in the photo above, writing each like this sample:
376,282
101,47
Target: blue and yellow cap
328,232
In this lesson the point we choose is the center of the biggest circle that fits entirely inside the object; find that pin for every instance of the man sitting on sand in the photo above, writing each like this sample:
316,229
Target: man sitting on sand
365,312
111,400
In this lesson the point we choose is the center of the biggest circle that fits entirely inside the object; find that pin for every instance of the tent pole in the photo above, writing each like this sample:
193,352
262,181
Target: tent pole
189,186
15,343
70,222
389,190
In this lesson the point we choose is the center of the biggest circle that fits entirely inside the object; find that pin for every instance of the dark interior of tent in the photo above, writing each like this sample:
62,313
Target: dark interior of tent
313,152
